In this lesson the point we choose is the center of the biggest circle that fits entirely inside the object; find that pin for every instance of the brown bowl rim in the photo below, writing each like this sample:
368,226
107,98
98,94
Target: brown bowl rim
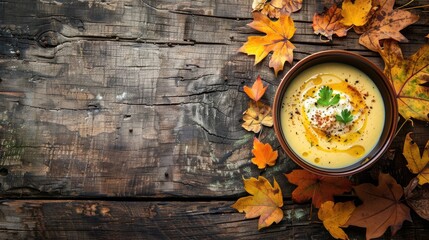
390,98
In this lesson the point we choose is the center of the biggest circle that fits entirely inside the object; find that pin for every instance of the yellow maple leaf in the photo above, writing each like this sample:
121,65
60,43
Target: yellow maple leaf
335,215
355,13
278,33
409,77
416,163
265,203
264,154
256,115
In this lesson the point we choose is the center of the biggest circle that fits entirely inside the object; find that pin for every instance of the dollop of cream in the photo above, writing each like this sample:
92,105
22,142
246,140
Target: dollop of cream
323,130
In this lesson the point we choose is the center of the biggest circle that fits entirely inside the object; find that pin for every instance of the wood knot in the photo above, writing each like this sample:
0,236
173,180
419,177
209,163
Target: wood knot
92,210
48,39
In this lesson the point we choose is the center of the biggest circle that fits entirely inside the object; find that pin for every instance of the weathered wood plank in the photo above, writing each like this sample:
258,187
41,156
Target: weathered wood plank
40,219
136,98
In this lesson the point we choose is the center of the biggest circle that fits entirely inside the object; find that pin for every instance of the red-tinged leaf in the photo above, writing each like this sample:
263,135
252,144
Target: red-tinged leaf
318,188
329,23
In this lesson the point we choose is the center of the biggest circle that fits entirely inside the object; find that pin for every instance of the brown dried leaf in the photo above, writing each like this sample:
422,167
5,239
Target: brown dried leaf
275,8
386,24
258,5
381,207
329,23
256,115
419,201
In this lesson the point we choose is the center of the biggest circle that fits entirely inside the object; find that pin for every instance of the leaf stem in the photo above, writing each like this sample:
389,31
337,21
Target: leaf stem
403,124
415,7
406,4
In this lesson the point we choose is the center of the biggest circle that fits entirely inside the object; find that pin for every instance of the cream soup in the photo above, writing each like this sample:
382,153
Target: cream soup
341,133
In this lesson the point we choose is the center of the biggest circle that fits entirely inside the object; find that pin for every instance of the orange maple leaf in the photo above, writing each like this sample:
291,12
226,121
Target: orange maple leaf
265,203
264,154
417,164
381,208
409,77
276,40
385,24
335,215
318,188
329,23
256,91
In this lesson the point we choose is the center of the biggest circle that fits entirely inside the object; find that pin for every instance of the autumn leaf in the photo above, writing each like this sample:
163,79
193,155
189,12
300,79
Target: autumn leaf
335,215
265,203
258,5
355,13
256,91
275,8
318,188
408,77
256,115
264,154
381,207
329,23
276,40
416,163
419,201
386,24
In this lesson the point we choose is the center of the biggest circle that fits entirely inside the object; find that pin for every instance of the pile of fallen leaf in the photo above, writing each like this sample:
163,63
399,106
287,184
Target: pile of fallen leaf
386,205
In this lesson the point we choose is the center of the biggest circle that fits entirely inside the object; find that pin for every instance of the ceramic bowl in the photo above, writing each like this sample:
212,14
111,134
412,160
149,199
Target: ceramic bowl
380,81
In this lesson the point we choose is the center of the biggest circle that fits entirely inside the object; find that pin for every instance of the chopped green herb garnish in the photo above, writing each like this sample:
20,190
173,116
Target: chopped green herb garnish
326,98
345,117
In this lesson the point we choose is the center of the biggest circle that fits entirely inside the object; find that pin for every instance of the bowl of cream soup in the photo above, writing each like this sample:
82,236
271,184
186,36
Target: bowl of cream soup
335,113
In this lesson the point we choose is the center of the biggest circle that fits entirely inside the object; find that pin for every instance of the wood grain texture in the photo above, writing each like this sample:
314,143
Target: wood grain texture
40,219
121,119
137,98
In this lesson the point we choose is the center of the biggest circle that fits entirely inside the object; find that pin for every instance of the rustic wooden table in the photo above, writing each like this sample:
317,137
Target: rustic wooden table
122,120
